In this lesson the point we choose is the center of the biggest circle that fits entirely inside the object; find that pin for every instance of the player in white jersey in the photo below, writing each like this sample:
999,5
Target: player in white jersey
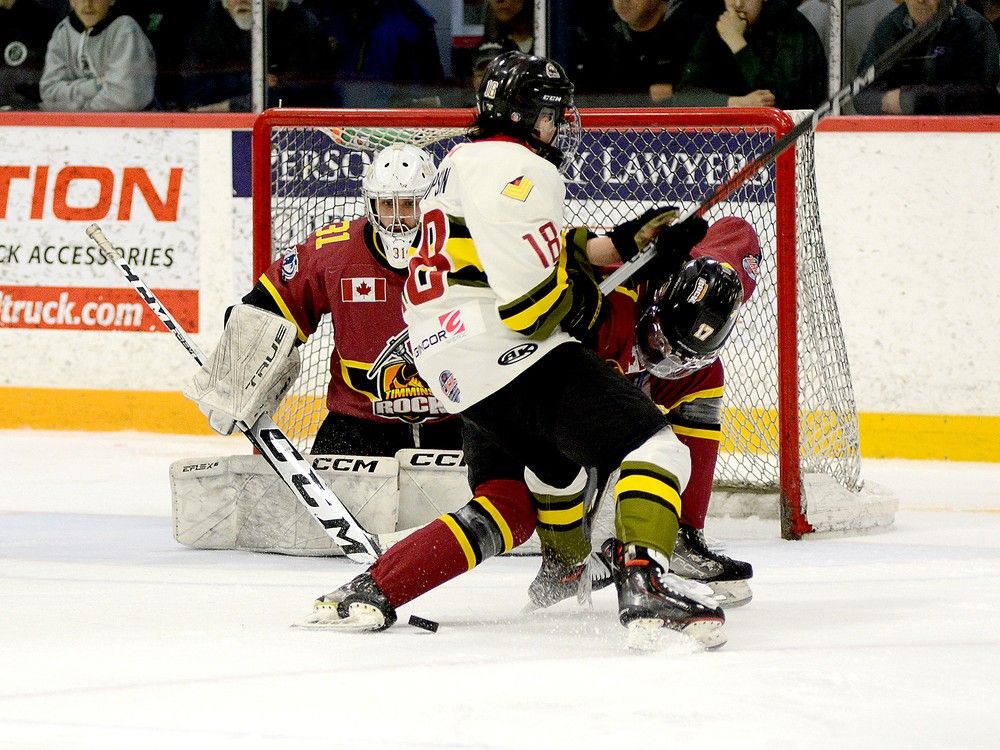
498,301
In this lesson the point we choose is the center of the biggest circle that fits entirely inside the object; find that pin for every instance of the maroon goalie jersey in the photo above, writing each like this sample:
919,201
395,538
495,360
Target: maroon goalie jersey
335,271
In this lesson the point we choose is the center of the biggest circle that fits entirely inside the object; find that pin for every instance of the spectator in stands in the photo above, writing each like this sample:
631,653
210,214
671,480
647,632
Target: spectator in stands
25,29
216,69
645,52
759,53
386,50
955,71
168,24
860,19
98,60
510,21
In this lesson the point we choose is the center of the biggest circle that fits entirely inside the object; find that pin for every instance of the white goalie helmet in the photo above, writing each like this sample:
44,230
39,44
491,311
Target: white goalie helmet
398,177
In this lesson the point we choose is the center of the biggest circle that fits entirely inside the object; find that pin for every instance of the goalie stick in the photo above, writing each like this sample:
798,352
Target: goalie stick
324,505
889,58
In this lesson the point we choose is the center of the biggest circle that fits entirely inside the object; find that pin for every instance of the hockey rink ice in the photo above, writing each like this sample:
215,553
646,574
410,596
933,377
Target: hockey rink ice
114,636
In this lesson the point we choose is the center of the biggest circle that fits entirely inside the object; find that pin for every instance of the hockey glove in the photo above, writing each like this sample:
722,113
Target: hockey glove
633,235
587,306
672,248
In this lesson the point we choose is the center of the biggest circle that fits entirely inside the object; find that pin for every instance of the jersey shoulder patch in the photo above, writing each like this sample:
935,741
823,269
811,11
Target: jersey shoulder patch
519,188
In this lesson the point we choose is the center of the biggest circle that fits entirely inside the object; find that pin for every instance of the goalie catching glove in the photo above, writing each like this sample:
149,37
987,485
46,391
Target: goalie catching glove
249,372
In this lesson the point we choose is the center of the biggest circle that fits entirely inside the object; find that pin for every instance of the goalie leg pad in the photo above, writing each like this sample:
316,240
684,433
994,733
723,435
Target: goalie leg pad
250,370
500,517
237,502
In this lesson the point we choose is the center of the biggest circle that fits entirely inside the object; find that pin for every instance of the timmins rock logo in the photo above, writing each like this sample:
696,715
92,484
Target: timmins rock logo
394,386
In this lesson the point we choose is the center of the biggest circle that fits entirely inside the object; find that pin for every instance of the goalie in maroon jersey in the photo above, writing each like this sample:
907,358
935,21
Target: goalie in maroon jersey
355,271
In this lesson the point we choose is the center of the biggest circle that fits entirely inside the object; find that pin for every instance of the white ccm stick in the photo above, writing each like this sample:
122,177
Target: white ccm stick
324,505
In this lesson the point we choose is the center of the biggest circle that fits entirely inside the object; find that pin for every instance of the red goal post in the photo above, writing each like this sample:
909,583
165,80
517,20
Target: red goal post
790,447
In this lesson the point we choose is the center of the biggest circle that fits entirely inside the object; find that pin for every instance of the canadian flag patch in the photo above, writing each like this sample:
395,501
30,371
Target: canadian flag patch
362,290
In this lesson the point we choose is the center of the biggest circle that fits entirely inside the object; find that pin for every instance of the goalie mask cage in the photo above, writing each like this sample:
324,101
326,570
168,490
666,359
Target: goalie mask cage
790,447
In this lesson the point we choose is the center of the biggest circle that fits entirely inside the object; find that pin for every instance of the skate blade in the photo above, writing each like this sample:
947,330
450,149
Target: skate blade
651,634
361,618
731,594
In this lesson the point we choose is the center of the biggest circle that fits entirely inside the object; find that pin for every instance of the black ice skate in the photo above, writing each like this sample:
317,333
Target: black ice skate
557,580
650,599
729,579
358,605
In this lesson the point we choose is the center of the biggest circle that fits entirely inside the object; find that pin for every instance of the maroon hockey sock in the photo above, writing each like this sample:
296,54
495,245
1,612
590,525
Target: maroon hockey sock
500,517
426,558
694,499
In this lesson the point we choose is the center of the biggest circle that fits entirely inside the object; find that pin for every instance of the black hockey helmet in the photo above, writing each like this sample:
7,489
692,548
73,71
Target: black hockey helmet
516,90
689,318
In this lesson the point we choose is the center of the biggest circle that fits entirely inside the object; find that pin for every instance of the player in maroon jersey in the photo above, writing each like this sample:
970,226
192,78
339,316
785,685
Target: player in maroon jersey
689,389
355,271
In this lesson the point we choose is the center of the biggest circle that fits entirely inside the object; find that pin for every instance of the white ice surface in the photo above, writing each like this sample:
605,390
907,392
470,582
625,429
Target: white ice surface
114,636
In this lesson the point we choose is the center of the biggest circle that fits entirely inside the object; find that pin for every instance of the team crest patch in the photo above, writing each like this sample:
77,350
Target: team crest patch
551,71
518,189
449,384
362,289
752,266
289,265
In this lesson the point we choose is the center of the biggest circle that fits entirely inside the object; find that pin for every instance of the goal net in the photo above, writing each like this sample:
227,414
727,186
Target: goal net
790,448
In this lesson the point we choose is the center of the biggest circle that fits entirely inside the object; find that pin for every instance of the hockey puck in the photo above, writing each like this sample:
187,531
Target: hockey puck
419,622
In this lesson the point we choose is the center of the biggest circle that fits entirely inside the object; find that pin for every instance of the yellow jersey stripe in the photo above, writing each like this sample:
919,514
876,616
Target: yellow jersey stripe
532,316
462,252
266,283
346,365
470,556
715,435
630,293
707,393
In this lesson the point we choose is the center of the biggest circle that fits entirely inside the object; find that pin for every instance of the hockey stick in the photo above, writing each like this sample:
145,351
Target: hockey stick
321,502
888,58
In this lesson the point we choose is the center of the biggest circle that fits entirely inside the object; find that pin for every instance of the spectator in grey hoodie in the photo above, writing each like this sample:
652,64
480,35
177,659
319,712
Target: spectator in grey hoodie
98,61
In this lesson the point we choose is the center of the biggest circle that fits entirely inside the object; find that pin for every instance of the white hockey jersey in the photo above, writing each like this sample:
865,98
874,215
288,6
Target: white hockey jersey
488,286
